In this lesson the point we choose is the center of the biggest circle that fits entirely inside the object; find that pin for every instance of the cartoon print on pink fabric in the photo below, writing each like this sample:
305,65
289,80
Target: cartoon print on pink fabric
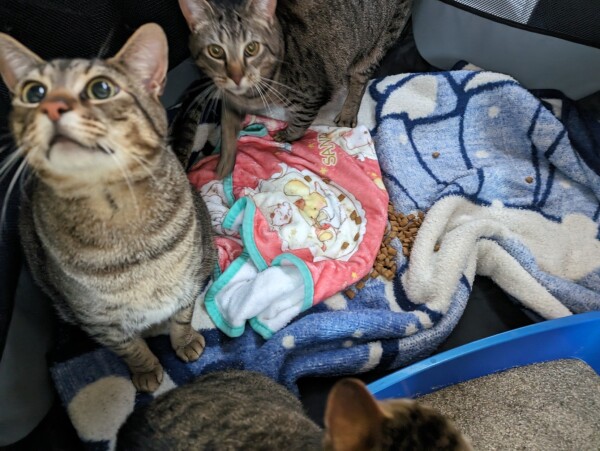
309,213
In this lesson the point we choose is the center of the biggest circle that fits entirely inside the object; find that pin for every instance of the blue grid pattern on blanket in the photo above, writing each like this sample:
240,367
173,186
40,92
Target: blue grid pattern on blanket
504,158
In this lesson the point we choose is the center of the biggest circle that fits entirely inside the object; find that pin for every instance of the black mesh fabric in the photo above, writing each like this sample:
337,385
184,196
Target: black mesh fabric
88,28
573,20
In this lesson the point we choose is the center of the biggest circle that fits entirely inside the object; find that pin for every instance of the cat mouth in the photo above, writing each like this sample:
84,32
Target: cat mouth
68,142
62,139
238,90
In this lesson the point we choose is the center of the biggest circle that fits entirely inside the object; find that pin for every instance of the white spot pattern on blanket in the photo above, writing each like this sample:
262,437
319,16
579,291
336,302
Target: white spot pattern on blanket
421,101
99,409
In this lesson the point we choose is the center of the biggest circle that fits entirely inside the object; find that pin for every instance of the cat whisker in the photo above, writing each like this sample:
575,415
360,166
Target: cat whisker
9,163
31,172
11,186
271,89
263,98
278,95
199,87
127,178
204,95
107,150
104,47
201,99
143,163
269,81
214,100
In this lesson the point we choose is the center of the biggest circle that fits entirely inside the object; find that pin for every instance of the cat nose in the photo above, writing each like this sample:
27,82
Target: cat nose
236,77
54,109
235,72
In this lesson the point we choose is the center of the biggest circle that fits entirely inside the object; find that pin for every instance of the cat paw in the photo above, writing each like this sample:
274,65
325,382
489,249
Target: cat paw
148,381
280,137
345,120
287,136
193,349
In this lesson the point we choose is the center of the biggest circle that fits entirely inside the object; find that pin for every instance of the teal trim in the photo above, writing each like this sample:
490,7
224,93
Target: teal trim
309,292
211,303
248,208
261,329
254,130
251,130
217,271
236,209
228,188
309,283
247,233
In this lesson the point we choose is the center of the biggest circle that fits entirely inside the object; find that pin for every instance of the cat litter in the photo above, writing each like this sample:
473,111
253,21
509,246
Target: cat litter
547,406
535,388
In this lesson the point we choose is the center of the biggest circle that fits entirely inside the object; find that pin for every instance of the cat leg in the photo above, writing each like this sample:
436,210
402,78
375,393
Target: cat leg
146,371
301,116
231,123
348,114
361,71
186,342
359,75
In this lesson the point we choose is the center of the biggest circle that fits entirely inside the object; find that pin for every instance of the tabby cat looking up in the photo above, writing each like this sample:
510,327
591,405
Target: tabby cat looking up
110,227
244,410
295,53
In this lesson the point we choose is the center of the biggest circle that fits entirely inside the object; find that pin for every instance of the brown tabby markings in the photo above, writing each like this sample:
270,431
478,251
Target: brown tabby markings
307,50
244,410
110,227
354,420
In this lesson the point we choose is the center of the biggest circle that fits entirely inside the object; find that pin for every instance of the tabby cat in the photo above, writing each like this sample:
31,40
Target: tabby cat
110,227
244,410
295,54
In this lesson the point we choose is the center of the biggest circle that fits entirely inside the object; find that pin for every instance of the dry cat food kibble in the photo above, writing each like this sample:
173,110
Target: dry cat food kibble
403,227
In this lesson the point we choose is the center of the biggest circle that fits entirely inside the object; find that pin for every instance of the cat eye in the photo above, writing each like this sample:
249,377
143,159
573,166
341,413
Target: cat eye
100,89
33,92
252,49
216,51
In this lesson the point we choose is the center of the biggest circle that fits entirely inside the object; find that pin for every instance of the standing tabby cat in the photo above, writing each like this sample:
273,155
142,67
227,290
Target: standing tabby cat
243,410
110,227
297,53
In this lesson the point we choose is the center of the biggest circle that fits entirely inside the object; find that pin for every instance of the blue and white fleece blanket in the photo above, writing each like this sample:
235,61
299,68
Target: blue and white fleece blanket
512,193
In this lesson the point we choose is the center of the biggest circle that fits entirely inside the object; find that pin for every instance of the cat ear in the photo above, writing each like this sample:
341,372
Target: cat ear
195,11
352,418
265,8
146,56
16,60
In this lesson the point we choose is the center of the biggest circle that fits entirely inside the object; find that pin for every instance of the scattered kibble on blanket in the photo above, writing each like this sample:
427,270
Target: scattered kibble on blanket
529,179
405,229
435,154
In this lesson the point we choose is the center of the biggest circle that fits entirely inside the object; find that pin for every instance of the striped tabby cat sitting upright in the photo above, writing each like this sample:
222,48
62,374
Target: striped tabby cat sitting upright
292,53
110,227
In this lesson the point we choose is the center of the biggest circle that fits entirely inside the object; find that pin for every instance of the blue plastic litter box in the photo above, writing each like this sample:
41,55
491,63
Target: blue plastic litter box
576,336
